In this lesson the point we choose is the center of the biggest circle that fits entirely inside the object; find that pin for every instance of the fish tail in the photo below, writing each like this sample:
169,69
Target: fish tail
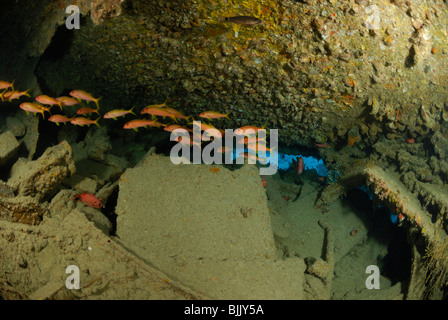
76,197
192,120
131,112
60,104
96,122
96,102
12,84
26,92
227,116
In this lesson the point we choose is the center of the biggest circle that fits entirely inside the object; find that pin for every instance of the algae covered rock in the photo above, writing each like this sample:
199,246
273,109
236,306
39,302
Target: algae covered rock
38,178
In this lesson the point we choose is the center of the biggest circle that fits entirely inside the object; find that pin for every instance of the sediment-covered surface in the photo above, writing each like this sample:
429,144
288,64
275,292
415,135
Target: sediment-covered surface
209,230
361,85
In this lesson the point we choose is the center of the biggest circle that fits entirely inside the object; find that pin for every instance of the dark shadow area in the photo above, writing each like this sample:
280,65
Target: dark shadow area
382,224
59,46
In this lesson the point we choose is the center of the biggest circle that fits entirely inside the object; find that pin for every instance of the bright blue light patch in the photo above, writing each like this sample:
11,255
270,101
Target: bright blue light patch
393,217
285,161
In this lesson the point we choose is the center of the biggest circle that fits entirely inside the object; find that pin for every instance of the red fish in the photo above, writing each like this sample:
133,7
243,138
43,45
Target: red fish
59,118
214,115
82,95
81,121
86,110
44,99
67,101
138,123
11,95
89,199
298,165
7,85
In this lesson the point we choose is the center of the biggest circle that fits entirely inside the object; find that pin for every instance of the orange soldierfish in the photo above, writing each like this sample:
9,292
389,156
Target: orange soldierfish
6,85
81,121
176,113
172,127
48,101
89,199
243,130
202,125
67,101
11,95
213,115
157,111
82,95
114,114
59,118
158,105
34,107
138,123
86,110
2,94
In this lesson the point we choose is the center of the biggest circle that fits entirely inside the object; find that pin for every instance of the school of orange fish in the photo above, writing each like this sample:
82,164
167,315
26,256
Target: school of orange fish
44,103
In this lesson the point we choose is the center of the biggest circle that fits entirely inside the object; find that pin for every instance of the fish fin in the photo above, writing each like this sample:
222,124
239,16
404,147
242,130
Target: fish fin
136,129
60,105
96,102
